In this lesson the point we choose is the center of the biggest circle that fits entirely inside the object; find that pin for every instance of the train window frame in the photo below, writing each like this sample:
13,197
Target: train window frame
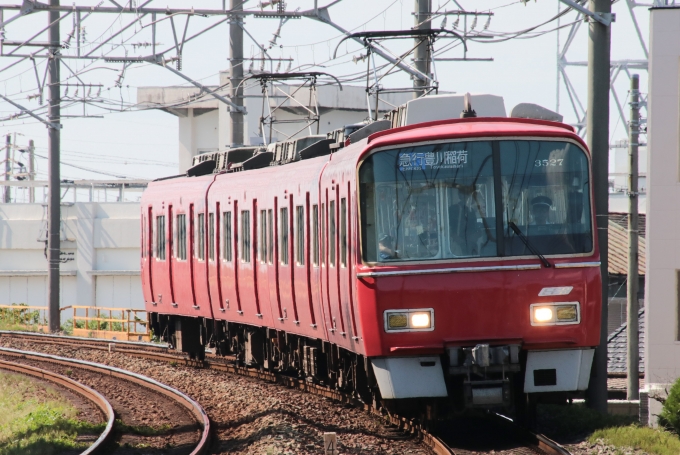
270,234
160,238
284,228
200,237
315,235
246,235
343,232
181,237
497,182
263,247
143,236
211,236
324,230
332,234
300,235
227,247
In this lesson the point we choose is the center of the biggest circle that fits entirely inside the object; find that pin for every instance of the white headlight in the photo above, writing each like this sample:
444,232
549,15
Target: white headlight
420,320
555,313
543,314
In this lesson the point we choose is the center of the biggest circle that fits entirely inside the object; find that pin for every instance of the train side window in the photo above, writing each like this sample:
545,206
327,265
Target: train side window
283,234
245,235
270,245
143,237
343,232
181,243
200,237
315,234
226,232
211,236
331,233
324,229
160,238
300,240
263,237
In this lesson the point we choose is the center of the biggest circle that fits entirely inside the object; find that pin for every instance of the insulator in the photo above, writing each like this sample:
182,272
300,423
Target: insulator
455,24
474,23
488,21
443,26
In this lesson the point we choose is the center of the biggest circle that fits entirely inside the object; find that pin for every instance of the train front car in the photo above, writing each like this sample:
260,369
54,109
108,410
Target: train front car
479,277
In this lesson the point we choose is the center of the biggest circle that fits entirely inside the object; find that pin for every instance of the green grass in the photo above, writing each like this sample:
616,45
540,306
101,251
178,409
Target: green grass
650,440
567,423
36,420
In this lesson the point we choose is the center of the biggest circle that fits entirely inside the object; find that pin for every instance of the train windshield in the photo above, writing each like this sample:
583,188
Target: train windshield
460,200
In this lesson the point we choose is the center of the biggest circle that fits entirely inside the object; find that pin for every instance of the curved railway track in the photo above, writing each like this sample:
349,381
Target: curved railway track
191,406
439,440
90,394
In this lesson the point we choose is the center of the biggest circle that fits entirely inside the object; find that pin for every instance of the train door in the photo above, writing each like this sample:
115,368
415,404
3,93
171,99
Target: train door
337,322
182,264
159,263
214,263
262,263
285,268
147,254
345,260
274,258
302,266
229,275
199,275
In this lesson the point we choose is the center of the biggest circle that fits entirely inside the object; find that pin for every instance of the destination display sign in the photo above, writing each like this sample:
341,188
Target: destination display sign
449,159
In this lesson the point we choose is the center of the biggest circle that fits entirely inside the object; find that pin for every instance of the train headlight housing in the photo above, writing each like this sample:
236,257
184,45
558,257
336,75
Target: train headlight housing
559,313
417,320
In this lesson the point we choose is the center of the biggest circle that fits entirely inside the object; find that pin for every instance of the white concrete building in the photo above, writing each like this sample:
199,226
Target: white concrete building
99,251
203,123
662,337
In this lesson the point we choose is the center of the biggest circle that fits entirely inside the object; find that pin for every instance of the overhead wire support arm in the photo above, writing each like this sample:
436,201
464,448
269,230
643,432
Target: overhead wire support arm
29,112
603,18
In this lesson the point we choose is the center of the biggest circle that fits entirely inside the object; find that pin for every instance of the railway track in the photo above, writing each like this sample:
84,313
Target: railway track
153,389
447,438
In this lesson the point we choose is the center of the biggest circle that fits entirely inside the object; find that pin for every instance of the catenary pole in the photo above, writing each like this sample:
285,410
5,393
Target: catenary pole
633,362
597,128
31,170
54,190
423,9
8,169
236,73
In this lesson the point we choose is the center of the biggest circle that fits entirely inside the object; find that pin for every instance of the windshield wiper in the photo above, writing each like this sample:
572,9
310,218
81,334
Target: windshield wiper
525,240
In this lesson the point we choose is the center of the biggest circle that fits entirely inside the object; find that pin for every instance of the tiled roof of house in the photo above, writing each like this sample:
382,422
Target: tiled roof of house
617,346
618,246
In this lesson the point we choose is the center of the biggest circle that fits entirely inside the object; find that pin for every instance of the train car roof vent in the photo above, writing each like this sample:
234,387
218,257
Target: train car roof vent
534,111
202,168
369,129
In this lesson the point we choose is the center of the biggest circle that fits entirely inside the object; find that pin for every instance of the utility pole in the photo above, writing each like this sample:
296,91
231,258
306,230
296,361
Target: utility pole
236,73
31,170
633,362
54,190
597,128
8,168
422,17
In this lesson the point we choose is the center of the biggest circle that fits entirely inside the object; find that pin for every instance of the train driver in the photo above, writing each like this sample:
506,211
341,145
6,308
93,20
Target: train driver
386,247
540,209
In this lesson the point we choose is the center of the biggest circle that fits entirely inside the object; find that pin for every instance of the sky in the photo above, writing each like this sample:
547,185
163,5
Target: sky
117,139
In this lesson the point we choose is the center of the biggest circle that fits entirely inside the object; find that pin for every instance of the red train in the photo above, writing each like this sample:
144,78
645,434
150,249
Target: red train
449,263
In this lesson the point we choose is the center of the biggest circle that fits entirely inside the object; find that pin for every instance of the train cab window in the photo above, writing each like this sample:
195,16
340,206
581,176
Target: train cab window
160,238
331,234
263,236
211,236
245,235
428,202
200,237
181,237
546,194
343,232
315,234
283,235
270,235
300,237
226,234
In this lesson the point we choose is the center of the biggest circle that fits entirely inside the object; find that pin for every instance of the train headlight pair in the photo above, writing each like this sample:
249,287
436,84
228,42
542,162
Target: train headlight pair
559,313
409,320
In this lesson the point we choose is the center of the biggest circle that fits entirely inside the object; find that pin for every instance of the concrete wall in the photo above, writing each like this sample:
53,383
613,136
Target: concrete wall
662,349
100,255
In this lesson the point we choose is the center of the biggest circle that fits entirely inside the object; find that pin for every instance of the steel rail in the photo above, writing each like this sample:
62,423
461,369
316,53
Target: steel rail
90,394
537,442
192,406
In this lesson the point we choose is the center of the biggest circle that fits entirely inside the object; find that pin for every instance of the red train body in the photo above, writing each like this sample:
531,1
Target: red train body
391,266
